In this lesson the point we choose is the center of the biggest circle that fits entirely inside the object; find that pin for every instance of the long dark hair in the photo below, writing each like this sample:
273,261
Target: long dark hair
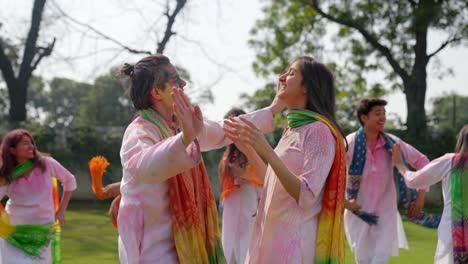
234,155
320,85
11,140
146,74
462,148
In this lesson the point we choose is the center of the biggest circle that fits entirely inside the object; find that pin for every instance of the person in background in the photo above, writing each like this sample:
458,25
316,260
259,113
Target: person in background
26,177
452,170
373,226
241,173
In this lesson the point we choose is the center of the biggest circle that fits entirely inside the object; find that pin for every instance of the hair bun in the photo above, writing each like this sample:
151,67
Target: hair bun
127,69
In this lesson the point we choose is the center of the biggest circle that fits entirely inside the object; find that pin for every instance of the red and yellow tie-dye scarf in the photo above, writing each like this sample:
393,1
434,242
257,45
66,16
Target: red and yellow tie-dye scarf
193,210
330,243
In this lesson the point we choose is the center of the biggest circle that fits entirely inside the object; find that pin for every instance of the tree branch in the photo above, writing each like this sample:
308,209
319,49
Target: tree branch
31,40
101,34
6,67
443,45
413,4
385,51
170,22
43,52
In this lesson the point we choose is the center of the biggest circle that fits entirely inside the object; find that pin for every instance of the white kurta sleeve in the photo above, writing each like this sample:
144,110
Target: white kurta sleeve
153,159
430,174
212,136
65,177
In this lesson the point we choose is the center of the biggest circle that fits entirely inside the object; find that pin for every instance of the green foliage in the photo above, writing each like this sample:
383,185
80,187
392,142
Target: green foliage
64,101
450,112
106,104
355,38
212,159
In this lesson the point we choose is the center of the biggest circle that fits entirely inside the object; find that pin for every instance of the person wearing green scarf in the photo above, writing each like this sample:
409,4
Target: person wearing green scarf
28,179
300,215
452,170
167,211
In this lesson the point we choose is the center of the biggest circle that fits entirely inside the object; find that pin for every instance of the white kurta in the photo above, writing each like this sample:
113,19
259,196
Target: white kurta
438,170
377,194
285,230
148,160
30,202
238,219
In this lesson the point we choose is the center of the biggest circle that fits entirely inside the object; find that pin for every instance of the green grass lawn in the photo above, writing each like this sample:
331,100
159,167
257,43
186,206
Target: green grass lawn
422,242
90,238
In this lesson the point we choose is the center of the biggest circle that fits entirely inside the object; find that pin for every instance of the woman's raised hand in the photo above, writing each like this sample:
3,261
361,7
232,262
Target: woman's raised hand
243,131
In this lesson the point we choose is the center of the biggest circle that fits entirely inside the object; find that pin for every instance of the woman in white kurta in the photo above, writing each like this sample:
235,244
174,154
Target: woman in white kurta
241,173
307,160
30,196
438,170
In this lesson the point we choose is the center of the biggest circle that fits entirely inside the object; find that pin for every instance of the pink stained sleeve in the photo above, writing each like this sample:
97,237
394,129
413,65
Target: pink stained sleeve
319,155
414,158
433,172
212,136
65,177
153,159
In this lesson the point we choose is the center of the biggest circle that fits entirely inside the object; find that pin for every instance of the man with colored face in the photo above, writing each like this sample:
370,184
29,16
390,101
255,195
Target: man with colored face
167,211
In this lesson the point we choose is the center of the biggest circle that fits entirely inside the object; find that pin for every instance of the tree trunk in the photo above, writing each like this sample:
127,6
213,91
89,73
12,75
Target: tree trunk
415,91
18,97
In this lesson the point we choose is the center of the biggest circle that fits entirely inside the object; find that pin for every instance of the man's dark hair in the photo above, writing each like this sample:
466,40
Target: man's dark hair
365,106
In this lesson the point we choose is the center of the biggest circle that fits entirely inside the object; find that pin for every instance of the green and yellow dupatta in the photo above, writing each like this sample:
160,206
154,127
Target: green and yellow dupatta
330,243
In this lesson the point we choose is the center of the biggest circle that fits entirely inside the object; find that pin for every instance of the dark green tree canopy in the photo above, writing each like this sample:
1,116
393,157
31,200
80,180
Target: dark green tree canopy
359,38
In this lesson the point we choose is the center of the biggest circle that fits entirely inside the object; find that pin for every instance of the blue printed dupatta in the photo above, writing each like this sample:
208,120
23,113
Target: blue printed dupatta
407,196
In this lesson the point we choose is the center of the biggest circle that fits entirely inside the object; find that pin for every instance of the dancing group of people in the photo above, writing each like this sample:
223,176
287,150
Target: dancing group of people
296,203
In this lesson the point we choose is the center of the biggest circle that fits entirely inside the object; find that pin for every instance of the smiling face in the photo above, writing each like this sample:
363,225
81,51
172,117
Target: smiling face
24,150
164,95
375,119
291,89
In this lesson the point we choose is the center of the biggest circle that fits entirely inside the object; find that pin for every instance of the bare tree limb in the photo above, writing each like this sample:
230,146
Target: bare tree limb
31,41
99,33
170,22
43,52
445,44
385,51
213,60
6,68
